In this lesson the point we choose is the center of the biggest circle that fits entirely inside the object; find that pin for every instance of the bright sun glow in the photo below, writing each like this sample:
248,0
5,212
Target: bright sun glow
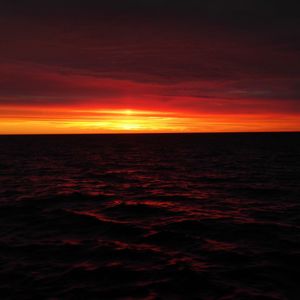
130,126
20,120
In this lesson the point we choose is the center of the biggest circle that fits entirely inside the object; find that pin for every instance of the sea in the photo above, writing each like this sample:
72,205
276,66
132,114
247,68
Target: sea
150,216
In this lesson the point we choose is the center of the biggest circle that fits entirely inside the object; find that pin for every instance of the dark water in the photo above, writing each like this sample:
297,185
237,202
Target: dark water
211,216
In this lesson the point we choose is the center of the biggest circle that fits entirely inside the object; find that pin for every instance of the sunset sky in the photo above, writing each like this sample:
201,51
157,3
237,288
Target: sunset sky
149,66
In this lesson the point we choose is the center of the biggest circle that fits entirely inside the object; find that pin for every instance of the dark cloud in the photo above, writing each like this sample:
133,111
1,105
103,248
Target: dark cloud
227,55
228,7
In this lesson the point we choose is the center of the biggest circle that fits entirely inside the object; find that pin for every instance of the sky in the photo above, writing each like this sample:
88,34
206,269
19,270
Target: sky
149,66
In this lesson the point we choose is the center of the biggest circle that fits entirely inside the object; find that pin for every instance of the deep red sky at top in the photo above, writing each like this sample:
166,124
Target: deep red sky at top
149,66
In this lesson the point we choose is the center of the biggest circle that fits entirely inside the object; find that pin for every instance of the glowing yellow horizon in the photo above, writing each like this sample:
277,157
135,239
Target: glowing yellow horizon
34,120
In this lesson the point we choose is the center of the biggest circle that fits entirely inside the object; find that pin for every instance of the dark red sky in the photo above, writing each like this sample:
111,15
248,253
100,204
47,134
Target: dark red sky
222,61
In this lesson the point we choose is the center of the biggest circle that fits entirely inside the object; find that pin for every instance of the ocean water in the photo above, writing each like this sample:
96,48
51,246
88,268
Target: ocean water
179,216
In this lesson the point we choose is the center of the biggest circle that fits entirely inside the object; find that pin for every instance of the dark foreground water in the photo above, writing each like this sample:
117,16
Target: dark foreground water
211,216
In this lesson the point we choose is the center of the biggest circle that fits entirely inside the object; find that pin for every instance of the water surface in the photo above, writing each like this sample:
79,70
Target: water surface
187,216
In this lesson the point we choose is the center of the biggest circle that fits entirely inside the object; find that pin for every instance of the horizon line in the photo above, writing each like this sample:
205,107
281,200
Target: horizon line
150,133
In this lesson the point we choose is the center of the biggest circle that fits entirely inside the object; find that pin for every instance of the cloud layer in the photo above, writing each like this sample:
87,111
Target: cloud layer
200,57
